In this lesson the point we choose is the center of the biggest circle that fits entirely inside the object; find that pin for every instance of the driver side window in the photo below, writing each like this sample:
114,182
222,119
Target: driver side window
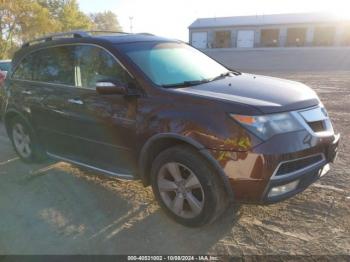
94,64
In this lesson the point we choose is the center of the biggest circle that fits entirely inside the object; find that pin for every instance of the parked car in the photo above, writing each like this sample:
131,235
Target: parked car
138,106
5,66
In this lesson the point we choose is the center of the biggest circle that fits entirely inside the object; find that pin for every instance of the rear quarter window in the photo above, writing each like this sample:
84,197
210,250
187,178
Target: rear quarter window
25,69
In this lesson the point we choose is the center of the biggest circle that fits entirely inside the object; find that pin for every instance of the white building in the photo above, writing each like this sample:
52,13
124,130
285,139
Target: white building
279,30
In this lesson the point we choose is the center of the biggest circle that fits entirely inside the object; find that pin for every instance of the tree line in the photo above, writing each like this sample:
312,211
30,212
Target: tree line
22,20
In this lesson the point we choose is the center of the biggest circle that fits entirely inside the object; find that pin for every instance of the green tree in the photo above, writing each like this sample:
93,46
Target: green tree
21,20
72,18
55,7
105,21
67,14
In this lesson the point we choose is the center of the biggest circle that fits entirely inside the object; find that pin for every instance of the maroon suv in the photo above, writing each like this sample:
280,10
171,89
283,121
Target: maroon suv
137,106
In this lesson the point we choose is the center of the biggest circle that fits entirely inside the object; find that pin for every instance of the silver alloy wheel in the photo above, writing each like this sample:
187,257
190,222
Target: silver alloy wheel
180,190
21,139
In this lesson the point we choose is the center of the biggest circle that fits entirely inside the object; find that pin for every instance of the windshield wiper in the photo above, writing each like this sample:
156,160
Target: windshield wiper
223,75
187,83
198,82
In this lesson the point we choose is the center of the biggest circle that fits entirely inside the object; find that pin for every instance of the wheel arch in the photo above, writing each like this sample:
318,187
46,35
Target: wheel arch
160,142
11,114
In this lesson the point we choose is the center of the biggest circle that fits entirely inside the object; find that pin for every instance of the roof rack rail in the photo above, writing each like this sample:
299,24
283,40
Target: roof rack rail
106,31
146,34
75,34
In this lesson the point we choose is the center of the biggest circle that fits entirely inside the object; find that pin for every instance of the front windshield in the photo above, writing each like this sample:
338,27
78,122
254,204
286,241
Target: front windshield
171,64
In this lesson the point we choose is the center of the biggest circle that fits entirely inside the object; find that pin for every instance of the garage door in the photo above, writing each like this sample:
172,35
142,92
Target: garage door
245,38
199,39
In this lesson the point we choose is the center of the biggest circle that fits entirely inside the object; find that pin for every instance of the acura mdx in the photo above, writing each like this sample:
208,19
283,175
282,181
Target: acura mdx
138,106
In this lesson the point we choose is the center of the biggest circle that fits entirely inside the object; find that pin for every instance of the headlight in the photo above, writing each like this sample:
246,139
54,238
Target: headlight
266,126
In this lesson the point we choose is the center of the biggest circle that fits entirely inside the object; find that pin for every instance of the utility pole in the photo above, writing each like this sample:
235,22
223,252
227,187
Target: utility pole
131,18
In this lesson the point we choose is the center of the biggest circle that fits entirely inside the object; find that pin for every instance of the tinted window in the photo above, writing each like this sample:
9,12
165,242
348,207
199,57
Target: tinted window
56,65
96,64
25,69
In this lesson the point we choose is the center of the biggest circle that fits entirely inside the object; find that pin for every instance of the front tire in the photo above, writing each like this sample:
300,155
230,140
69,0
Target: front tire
25,142
186,187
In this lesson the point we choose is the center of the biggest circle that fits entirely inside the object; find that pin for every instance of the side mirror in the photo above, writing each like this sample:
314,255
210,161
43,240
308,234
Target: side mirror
109,88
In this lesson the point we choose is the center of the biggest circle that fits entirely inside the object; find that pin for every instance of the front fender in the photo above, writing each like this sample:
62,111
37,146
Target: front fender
206,124
145,154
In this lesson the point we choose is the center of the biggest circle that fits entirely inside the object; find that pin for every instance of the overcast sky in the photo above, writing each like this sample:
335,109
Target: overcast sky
171,18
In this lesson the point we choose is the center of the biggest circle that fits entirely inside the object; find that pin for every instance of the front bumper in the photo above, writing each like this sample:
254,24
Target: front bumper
253,174
304,176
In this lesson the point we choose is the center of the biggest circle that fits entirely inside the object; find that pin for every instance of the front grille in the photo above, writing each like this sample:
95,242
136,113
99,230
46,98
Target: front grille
295,165
317,126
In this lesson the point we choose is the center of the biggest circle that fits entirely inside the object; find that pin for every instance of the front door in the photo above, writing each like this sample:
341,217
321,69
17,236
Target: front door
102,127
102,130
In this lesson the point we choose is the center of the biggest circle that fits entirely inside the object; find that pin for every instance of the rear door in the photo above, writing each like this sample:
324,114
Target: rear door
55,77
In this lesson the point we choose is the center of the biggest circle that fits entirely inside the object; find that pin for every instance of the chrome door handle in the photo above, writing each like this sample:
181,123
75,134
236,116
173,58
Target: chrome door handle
75,101
26,92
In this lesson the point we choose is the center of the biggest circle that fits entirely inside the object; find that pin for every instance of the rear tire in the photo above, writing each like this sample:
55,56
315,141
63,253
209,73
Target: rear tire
25,142
186,187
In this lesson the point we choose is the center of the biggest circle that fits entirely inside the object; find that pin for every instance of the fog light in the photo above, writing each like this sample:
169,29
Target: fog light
324,170
279,190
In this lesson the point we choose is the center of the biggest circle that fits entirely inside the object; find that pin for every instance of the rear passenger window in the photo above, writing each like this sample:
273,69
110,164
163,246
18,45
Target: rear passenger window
25,69
96,65
56,65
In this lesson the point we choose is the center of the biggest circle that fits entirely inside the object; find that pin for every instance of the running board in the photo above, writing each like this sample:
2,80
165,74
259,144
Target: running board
106,172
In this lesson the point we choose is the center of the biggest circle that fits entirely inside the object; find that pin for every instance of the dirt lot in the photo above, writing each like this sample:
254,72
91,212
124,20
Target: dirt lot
59,209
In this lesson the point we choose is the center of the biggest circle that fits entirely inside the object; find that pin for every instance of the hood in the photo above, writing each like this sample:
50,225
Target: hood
267,94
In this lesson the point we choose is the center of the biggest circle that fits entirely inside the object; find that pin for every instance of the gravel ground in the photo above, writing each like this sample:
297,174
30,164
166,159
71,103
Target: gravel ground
60,209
